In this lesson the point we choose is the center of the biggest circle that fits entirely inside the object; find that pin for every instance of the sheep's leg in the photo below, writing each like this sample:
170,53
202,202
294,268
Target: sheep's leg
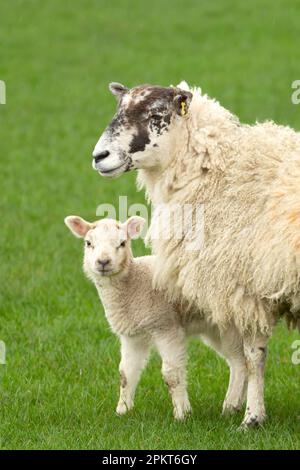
229,345
232,349
255,352
134,354
236,393
172,349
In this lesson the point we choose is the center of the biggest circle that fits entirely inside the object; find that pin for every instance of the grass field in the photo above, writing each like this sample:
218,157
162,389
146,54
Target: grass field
59,386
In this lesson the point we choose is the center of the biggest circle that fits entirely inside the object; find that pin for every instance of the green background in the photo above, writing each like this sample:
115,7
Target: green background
59,387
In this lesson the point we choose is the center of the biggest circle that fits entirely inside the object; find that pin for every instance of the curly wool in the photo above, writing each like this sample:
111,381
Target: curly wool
247,178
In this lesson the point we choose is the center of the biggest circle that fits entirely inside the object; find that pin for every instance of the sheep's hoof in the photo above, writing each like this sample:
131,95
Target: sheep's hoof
123,408
229,409
252,422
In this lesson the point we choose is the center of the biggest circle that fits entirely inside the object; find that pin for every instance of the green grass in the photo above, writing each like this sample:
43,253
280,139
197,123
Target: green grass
60,384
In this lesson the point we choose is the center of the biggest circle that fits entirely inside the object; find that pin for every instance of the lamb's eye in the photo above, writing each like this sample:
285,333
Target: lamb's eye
88,243
122,244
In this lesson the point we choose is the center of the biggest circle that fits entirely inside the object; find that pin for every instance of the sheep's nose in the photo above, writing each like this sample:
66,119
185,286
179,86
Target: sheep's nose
103,262
101,156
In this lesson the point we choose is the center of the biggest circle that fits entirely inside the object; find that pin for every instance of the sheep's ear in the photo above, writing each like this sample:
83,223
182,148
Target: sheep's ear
183,85
134,226
117,89
182,102
78,226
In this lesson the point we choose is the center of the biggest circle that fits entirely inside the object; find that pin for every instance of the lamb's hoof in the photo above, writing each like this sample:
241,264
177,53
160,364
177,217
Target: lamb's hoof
229,409
252,422
123,408
183,411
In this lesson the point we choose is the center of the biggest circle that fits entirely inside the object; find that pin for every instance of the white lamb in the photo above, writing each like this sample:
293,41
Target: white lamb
141,316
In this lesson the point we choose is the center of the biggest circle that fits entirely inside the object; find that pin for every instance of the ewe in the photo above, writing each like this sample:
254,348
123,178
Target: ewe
141,316
190,150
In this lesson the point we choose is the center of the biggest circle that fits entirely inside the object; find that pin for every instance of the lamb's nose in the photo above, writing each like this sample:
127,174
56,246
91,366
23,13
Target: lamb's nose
101,156
103,262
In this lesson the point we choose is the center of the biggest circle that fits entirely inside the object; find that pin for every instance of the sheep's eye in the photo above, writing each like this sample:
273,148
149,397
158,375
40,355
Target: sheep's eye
88,243
122,244
155,117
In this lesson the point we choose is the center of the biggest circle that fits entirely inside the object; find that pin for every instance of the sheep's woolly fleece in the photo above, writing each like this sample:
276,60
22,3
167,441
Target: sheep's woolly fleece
248,178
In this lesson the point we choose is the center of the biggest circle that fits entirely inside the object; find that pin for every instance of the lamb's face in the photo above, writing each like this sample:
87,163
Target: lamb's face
141,133
107,249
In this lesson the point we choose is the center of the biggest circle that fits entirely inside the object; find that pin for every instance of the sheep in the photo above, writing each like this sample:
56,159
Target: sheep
141,316
188,149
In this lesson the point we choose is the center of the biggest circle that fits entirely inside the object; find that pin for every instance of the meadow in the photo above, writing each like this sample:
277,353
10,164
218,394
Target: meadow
59,386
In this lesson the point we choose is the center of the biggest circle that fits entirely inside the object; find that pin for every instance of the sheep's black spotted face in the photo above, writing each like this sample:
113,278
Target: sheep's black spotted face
139,134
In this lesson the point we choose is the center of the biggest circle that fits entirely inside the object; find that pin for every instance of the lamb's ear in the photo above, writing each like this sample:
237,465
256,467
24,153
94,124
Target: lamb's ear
78,226
118,89
182,102
134,225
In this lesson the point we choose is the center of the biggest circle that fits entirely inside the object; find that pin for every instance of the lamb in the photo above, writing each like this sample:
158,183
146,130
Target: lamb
188,149
141,316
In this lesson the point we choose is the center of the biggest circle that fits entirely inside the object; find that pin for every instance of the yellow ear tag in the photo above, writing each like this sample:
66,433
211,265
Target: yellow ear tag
183,106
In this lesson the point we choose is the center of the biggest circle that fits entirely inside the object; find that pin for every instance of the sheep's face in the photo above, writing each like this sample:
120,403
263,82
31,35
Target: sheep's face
107,250
141,133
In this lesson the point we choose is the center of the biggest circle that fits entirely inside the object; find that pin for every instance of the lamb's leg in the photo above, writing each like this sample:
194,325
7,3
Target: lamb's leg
255,352
134,354
172,349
